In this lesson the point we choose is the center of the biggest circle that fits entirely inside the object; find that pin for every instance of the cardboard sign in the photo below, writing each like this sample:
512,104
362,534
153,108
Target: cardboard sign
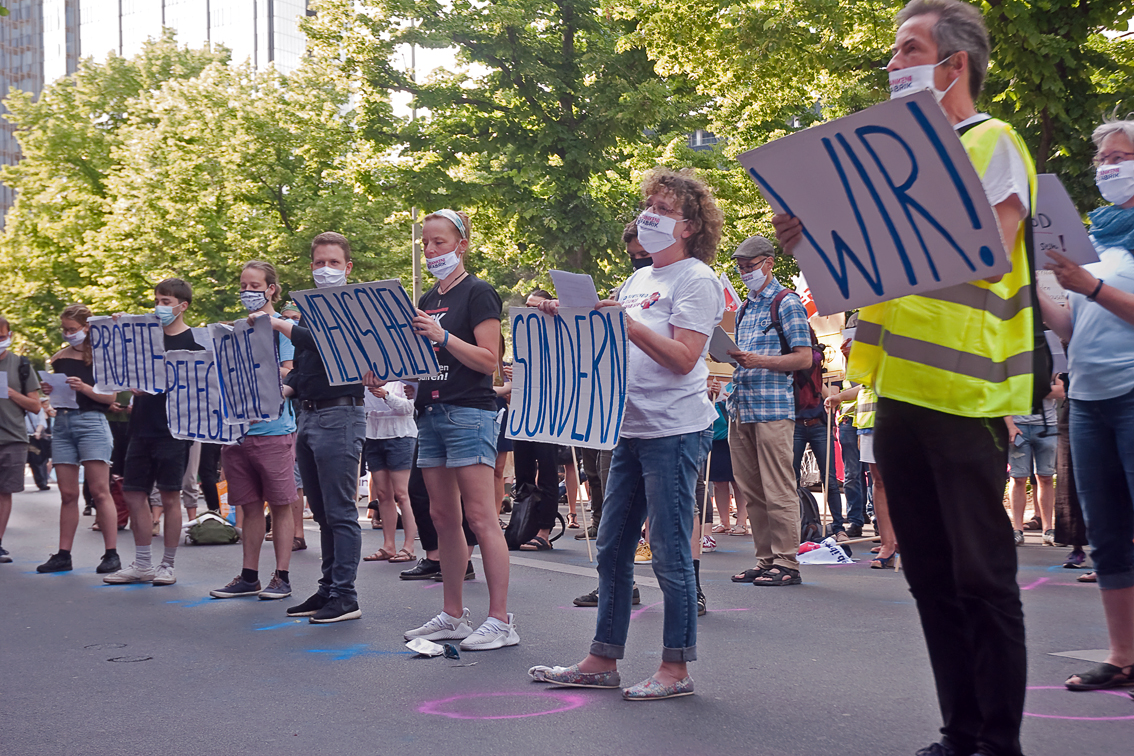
362,327
568,376
1057,225
248,369
193,401
128,353
889,201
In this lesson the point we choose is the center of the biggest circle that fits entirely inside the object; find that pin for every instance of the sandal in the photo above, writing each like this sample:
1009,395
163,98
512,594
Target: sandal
1088,578
536,544
298,544
737,530
720,529
403,555
268,536
748,575
876,550
572,522
381,555
881,563
1103,676
778,576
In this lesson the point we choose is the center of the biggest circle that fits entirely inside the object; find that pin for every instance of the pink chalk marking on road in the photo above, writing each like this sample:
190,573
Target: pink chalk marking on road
1035,584
637,612
565,701
1120,694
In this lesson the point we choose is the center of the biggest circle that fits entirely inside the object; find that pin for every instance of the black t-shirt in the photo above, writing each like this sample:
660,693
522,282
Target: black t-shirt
309,376
147,416
459,311
76,368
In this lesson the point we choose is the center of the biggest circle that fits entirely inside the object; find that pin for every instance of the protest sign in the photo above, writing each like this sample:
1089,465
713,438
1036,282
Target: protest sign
193,401
1057,225
128,353
889,201
248,370
364,327
568,376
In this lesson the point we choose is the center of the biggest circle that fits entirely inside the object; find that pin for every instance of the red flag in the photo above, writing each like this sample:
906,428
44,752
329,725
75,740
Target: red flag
732,300
804,293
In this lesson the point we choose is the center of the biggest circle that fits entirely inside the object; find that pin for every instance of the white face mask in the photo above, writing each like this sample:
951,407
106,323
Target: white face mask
916,78
76,338
754,280
1116,182
4,344
441,267
327,276
655,232
253,300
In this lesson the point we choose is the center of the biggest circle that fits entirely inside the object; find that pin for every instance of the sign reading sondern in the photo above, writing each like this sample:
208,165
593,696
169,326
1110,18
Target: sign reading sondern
890,204
364,327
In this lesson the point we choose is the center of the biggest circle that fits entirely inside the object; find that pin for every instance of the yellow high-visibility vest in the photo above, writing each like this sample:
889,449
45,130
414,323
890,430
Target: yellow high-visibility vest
967,349
864,409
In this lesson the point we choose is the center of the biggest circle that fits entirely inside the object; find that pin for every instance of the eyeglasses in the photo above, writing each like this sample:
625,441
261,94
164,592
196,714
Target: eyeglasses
1113,158
751,267
664,210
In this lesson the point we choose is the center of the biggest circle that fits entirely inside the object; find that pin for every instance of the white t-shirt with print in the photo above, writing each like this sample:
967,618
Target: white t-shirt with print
685,294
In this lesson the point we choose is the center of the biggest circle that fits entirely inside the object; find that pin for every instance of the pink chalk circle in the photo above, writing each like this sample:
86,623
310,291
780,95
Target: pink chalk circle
1119,693
559,700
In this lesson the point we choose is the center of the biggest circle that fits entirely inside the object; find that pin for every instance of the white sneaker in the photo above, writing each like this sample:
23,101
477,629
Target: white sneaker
131,574
163,575
443,627
492,634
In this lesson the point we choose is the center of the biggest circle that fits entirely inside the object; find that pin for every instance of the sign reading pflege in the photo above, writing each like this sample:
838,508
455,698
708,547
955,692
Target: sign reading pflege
366,327
128,353
193,399
890,204
568,376
248,369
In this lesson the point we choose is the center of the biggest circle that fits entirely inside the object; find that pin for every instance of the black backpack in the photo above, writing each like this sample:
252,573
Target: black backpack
810,529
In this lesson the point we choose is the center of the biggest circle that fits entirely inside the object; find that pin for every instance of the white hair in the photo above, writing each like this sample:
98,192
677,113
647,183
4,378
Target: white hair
1107,128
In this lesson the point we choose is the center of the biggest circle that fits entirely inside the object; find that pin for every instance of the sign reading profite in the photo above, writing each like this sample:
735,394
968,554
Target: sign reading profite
890,204
193,399
366,327
568,376
128,353
248,370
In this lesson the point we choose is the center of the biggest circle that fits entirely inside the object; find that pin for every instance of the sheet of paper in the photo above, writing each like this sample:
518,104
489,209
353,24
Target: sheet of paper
62,395
1057,225
719,345
848,333
3,385
574,290
1058,357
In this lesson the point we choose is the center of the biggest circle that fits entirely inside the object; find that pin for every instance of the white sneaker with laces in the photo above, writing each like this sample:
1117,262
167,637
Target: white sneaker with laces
443,627
492,634
163,575
131,574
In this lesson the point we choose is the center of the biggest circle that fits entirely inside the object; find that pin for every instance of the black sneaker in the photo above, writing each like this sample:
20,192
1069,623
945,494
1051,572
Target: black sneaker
470,573
337,609
590,533
87,511
5,557
702,604
237,587
56,563
308,607
591,599
425,569
854,531
109,563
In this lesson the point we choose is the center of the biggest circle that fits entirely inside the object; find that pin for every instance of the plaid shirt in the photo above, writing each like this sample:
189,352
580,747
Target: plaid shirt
762,396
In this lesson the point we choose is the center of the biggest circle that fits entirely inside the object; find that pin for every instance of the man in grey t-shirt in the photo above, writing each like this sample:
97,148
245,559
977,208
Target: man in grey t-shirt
1033,440
20,396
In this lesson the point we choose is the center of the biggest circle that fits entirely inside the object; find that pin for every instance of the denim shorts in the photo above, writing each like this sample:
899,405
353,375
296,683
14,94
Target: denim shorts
389,453
451,436
81,437
1036,452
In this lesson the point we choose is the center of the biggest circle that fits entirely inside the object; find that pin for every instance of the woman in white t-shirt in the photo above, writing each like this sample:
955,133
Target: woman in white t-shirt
672,308
391,438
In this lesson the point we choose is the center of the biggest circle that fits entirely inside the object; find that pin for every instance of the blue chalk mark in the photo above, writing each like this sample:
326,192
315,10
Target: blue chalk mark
281,625
355,651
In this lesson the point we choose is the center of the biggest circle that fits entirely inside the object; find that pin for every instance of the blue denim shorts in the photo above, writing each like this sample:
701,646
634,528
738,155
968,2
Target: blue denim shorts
389,453
1036,452
81,437
451,436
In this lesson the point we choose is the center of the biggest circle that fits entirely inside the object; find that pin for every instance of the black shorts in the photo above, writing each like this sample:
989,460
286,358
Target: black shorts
720,463
155,460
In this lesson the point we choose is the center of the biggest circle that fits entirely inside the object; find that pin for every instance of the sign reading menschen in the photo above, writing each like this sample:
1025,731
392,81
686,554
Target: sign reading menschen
568,376
193,399
248,370
128,353
366,327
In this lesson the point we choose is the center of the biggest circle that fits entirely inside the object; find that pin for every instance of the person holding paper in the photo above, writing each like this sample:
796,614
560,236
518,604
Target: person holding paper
457,430
391,438
81,437
1098,327
19,393
946,366
154,456
671,307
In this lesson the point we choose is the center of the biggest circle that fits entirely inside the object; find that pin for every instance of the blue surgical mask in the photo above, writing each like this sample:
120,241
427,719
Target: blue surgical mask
165,314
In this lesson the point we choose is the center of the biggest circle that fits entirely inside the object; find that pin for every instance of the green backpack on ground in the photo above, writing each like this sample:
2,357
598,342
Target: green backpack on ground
211,529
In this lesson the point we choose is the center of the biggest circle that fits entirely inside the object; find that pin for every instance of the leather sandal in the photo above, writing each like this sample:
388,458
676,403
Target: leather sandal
1103,676
778,576
536,544
748,575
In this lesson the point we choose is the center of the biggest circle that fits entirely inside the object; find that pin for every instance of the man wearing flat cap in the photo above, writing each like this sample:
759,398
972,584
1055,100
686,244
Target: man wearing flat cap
762,413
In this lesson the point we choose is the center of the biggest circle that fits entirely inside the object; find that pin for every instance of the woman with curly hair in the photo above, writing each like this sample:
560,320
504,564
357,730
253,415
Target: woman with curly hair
672,307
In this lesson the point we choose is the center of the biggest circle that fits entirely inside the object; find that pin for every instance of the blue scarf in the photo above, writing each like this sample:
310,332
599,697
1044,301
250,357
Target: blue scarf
1113,226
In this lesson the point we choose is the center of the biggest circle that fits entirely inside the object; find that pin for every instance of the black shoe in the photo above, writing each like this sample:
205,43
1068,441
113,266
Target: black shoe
337,609
854,531
470,573
506,506
590,533
109,563
425,569
56,563
5,557
308,607
702,604
591,599
937,749
87,511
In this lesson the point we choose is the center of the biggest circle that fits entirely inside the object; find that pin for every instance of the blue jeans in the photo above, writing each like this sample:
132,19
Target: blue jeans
1102,445
816,435
852,474
328,448
654,476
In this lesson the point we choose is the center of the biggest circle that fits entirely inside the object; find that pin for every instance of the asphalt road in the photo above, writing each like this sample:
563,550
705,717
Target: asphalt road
835,666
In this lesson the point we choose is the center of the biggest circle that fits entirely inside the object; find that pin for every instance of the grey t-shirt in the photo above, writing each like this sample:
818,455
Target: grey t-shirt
12,428
1037,419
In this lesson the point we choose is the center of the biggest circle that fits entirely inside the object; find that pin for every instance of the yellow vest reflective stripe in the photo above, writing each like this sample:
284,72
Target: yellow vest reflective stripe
967,349
864,409
846,410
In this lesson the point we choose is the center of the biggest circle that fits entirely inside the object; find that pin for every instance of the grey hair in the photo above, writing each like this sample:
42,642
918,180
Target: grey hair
1108,128
960,28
